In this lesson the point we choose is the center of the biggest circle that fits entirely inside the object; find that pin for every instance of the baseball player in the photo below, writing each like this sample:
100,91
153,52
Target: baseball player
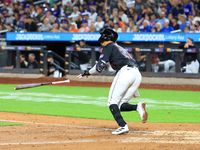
126,81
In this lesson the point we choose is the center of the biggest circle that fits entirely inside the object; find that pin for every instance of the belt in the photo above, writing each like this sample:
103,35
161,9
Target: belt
130,66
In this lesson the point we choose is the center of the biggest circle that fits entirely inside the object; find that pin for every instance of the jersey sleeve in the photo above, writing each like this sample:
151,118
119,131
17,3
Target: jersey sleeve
105,54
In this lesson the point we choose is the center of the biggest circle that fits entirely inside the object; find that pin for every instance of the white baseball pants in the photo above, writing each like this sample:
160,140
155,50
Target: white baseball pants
124,85
193,67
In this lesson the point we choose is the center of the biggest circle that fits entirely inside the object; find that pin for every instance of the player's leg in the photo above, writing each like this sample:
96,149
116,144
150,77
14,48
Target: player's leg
118,88
140,107
167,64
195,66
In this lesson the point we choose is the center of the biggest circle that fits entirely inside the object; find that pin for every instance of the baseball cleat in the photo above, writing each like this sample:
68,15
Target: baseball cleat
121,130
141,109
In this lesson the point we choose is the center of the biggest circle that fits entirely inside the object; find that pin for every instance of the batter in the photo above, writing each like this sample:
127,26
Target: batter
126,81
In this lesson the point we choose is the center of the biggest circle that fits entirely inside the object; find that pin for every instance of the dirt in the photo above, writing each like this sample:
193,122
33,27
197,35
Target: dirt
49,132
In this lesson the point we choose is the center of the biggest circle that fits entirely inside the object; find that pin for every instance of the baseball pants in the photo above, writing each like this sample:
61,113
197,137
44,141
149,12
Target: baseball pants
124,85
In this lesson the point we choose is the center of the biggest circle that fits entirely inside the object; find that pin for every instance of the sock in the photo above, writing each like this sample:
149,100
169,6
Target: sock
116,114
128,107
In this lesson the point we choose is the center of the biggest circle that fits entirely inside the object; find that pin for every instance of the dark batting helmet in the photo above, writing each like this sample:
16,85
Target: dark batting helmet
108,34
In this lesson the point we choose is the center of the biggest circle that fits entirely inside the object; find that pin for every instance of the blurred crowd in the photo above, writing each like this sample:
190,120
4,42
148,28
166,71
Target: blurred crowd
92,15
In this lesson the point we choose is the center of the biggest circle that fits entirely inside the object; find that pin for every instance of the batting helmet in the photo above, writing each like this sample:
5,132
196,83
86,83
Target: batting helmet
108,34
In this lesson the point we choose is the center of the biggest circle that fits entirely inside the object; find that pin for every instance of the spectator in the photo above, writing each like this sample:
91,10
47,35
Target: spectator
51,17
164,60
1,18
66,9
9,27
174,23
73,27
117,27
136,29
170,16
184,22
33,63
56,11
197,25
84,56
187,7
92,4
92,28
166,27
33,12
113,5
94,14
146,25
190,60
162,18
124,29
121,23
30,25
153,30
78,21
16,21
177,9
194,29
64,26
74,14
158,26
56,27
111,23
53,67
123,6
123,16
197,7
85,7
106,19
130,27
153,19
114,15
46,27
40,17
99,24
138,6
133,15
87,18
196,18
84,27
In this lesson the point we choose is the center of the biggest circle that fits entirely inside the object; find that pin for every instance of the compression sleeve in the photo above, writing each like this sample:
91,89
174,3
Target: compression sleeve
93,70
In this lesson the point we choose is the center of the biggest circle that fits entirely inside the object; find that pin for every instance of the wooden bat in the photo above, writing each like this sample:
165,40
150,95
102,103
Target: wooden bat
26,86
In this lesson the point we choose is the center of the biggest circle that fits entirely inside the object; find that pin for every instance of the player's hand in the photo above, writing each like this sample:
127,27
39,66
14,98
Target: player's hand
85,73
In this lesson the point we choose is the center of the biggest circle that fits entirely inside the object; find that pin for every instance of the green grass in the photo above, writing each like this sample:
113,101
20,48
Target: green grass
91,102
3,123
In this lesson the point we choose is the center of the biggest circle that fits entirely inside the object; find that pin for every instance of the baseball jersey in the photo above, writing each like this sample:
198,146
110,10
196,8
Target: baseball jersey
117,56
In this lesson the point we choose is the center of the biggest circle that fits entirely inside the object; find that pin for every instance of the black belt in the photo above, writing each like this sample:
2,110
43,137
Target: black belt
130,66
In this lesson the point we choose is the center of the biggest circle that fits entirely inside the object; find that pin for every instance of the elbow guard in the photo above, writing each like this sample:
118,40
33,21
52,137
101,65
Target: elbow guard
100,65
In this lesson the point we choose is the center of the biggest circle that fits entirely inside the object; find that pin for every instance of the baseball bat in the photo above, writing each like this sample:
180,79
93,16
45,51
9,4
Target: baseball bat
26,86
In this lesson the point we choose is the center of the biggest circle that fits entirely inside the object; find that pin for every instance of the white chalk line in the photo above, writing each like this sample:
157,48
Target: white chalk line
53,142
66,125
